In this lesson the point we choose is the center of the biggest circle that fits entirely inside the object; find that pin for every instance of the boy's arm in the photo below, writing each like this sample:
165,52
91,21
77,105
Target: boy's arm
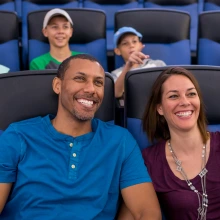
5,189
140,203
135,58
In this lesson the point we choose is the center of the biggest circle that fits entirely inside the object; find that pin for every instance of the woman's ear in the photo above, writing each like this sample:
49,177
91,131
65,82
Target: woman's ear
56,85
159,109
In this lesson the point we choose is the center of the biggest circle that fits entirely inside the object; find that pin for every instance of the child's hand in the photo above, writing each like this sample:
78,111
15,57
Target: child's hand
136,58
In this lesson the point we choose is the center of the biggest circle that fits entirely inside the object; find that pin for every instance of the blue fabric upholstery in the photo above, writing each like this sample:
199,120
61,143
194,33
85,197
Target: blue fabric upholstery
9,6
208,52
211,6
209,38
10,58
18,7
169,53
9,40
110,11
201,6
192,9
28,7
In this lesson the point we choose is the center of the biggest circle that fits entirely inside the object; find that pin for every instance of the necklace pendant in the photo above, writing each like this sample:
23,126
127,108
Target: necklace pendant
203,172
179,168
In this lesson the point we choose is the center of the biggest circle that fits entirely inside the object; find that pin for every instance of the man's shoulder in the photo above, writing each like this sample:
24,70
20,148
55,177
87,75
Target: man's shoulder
110,127
27,123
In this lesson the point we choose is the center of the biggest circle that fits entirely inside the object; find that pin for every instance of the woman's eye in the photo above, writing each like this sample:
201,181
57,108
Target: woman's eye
173,96
191,94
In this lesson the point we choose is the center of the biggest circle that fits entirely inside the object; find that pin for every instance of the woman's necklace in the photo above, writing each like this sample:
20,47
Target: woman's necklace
202,197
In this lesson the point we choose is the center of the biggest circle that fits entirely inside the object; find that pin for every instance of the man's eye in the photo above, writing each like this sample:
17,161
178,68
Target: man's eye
99,83
79,78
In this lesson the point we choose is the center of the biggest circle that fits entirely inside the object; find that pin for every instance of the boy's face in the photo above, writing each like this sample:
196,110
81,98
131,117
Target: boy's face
58,31
128,44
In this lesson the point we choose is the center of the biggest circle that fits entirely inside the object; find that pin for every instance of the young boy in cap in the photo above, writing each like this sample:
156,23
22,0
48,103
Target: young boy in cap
128,44
58,28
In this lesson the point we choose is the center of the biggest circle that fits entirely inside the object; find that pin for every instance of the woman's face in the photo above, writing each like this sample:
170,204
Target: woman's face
180,103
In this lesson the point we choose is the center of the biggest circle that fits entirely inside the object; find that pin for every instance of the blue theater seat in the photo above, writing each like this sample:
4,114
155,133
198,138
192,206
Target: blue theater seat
28,94
211,5
7,5
32,5
190,6
110,7
209,38
165,33
9,36
138,85
89,35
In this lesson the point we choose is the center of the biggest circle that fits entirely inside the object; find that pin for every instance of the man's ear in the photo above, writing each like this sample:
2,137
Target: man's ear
44,31
56,85
159,109
117,51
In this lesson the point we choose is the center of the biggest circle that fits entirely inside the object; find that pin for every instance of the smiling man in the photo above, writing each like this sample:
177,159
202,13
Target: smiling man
58,28
72,165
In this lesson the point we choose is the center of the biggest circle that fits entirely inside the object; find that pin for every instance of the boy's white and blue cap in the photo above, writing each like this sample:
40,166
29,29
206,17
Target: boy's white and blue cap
125,30
55,12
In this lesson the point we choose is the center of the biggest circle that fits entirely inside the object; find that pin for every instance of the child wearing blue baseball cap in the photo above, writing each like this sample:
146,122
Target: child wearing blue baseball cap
127,43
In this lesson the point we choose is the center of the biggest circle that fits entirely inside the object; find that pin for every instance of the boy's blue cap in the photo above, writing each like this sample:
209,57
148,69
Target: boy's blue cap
125,30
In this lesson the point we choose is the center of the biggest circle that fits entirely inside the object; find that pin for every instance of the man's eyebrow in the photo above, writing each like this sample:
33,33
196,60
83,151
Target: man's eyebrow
84,74
81,73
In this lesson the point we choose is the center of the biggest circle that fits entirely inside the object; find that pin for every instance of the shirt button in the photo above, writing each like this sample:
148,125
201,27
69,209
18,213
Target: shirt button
74,154
73,166
71,144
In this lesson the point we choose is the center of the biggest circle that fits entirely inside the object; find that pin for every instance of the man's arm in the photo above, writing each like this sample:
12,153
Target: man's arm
140,202
4,192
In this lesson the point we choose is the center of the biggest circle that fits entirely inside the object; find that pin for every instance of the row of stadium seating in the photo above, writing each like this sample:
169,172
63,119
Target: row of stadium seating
21,97
193,7
165,34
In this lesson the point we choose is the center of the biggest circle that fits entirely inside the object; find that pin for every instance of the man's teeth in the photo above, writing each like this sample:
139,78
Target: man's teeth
184,114
85,102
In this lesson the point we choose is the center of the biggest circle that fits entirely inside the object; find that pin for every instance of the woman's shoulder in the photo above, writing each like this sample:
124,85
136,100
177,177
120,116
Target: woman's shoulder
154,150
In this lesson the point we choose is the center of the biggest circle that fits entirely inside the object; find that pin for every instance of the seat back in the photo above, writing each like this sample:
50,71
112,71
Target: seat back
28,94
110,7
211,5
157,27
189,6
138,84
9,40
209,38
33,5
8,5
88,37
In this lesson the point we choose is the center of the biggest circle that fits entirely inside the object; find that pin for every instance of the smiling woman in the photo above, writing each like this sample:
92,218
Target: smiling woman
183,164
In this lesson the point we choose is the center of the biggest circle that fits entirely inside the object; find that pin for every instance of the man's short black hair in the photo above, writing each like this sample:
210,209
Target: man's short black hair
65,64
